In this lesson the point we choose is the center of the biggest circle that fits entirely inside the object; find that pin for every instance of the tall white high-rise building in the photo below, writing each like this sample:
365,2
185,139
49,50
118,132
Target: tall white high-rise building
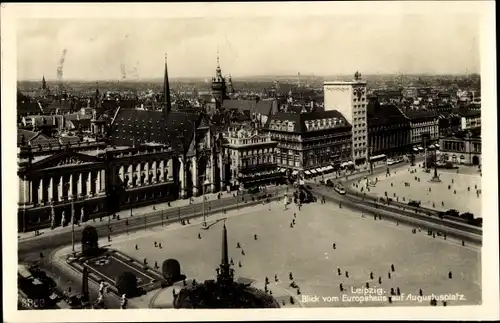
349,98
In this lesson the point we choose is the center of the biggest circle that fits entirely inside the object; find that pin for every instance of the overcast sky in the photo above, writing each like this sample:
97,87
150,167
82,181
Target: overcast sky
326,45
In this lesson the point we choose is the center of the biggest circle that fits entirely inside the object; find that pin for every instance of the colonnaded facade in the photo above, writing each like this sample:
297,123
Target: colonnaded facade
97,182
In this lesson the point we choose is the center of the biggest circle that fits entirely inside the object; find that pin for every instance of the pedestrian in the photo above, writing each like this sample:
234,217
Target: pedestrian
275,278
109,238
389,275
334,246
145,261
420,292
255,237
339,272
232,262
450,275
267,280
346,274
341,287
390,299
239,264
136,247
291,224
199,236
380,280
159,245
463,243
238,246
41,254
367,285
156,244
290,276
392,291
156,264
242,252
392,267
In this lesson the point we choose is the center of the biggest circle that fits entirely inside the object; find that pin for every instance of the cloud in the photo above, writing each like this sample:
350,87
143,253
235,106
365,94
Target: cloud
323,45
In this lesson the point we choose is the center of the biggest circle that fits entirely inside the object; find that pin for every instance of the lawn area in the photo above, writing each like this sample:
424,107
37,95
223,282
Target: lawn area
363,245
463,200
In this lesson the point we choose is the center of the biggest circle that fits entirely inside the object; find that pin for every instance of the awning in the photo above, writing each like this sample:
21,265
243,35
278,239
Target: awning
307,172
437,145
431,147
415,149
344,164
282,170
329,167
319,170
420,148
295,172
313,171
350,162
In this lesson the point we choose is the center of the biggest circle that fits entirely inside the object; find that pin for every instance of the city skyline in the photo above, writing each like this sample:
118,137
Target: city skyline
115,49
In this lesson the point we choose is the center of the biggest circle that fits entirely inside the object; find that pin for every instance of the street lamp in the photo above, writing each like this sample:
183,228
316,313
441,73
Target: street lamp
205,183
73,224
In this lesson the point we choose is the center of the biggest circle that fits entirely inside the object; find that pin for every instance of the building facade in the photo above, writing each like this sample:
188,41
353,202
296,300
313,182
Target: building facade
310,141
462,148
148,157
350,99
251,156
423,123
388,130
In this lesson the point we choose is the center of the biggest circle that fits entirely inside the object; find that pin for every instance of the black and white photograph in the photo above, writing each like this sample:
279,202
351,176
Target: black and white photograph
339,159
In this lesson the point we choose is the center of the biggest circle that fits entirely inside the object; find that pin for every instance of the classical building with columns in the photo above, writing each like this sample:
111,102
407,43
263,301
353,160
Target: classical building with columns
149,157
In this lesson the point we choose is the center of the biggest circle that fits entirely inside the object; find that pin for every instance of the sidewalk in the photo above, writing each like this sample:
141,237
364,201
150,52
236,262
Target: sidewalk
124,214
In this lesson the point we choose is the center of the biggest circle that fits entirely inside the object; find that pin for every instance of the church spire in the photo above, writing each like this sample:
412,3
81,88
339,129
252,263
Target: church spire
167,106
44,84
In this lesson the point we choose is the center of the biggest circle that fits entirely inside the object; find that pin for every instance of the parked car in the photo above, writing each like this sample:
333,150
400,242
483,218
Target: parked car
467,216
329,183
414,203
452,212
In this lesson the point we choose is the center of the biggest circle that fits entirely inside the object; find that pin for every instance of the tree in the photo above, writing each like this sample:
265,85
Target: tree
90,246
126,283
171,270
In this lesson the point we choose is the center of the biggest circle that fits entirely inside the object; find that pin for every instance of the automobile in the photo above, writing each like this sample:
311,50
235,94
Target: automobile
309,187
329,183
339,189
467,216
414,203
322,182
452,212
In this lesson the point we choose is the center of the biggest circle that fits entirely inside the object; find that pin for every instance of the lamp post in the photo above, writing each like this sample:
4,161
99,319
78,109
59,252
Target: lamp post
205,183
73,224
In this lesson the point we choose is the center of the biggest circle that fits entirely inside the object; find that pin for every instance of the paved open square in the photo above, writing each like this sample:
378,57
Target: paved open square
363,246
465,183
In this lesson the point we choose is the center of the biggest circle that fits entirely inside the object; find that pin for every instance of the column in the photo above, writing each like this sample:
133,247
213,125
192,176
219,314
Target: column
29,190
89,184
155,174
131,175
162,170
170,169
194,175
60,188
138,171
40,191
146,171
79,184
98,182
121,173
182,178
70,192
103,180
51,189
